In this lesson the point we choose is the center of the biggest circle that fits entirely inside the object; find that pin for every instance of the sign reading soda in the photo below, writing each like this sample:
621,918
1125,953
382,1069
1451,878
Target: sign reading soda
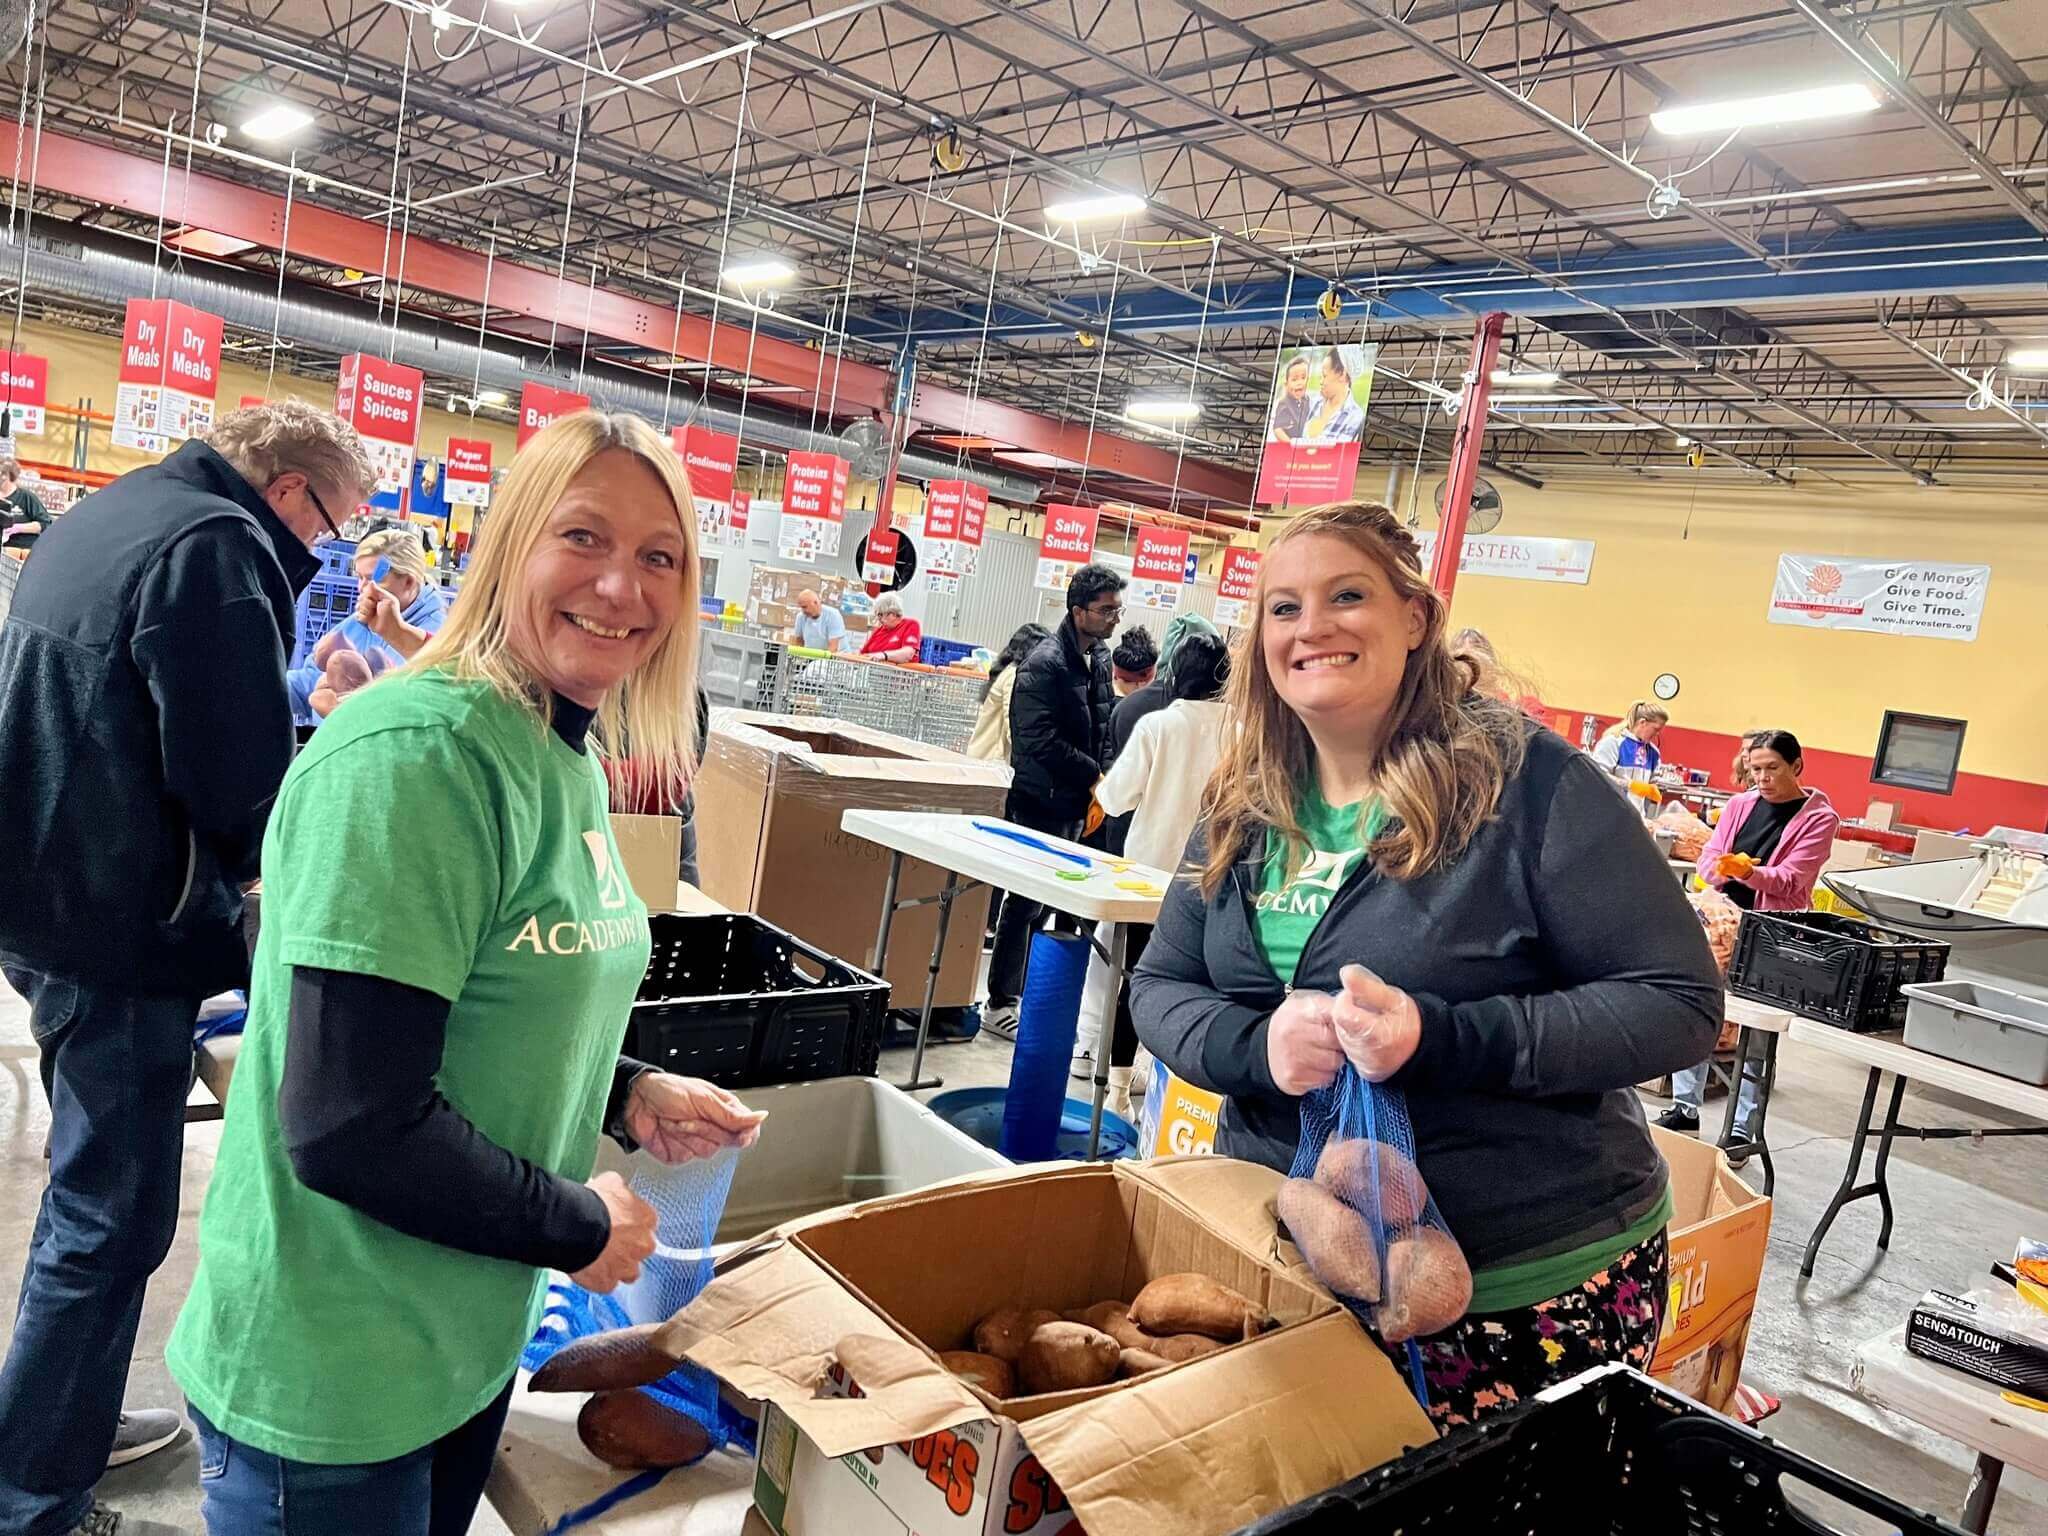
170,375
1067,544
1235,584
540,404
24,391
469,472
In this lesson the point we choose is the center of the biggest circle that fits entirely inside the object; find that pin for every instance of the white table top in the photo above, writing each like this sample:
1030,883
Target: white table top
1956,1405
952,842
1751,1014
1936,1071
543,1473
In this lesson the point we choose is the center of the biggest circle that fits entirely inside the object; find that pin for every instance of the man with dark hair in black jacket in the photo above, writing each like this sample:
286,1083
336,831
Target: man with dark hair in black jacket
1059,736
145,726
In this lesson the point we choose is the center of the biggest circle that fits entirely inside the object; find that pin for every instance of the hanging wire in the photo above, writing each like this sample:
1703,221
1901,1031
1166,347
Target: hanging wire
739,136
284,245
853,247
1116,273
583,355
1279,354
404,243
1436,377
575,165
163,198
192,119
397,158
1194,373
988,306
28,76
476,380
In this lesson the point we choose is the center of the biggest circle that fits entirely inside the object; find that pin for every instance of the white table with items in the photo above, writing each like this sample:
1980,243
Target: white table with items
1082,882
1882,1054
1973,1412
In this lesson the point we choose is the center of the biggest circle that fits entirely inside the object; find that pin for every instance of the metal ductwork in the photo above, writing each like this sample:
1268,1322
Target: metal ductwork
107,279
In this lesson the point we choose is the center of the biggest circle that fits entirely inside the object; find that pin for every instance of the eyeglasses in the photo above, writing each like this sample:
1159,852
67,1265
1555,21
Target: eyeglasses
1108,613
321,507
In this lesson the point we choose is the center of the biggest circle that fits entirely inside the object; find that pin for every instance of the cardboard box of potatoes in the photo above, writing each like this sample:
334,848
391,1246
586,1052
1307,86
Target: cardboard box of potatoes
1116,1349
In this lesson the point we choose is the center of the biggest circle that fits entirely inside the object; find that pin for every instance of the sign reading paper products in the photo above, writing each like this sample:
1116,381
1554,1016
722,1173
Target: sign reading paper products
24,391
170,374
469,472
1566,560
813,506
1887,597
878,563
1159,569
540,404
1067,544
381,400
711,459
1235,584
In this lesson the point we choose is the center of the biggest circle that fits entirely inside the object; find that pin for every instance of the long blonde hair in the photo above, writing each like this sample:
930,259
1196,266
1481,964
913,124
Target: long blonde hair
652,715
401,546
1638,712
1448,751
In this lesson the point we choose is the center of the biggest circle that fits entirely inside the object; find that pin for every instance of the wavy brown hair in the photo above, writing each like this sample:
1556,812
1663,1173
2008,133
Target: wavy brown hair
1449,749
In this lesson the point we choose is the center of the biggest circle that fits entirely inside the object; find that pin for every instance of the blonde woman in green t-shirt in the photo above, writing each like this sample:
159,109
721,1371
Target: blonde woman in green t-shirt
438,1000
1400,871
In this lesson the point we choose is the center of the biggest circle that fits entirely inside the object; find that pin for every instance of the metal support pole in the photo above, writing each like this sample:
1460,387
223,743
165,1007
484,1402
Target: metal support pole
1105,1032
888,913
896,424
1465,449
931,985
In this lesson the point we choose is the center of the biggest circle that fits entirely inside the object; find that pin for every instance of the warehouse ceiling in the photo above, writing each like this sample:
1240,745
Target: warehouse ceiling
1829,301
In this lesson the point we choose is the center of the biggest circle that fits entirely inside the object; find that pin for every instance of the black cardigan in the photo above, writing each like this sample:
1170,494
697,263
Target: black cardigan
1556,963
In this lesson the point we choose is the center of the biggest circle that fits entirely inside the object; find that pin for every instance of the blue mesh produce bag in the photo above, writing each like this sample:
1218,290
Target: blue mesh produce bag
689,1200
1357,1207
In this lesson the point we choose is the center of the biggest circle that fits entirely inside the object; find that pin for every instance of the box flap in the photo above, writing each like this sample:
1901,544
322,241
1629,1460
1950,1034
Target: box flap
772,1328
819,744
1235,1198
1312,1406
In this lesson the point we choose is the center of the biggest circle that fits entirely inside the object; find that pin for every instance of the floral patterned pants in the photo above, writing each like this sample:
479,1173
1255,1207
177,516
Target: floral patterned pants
1489,1362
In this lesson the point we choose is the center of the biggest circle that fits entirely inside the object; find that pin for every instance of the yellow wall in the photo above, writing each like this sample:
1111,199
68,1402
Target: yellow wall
86,365
1665,600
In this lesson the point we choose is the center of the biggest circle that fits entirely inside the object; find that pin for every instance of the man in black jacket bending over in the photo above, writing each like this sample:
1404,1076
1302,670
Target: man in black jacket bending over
144,729
1059,734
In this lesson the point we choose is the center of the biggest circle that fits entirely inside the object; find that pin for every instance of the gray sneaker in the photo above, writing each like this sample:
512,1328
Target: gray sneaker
111,1522
142,1433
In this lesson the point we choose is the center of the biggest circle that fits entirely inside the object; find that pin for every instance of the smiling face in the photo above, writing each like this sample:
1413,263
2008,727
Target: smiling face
1335,634
1297,378
604,583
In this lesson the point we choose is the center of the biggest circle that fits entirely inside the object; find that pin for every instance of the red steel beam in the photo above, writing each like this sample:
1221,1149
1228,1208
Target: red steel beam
1450,532
100,173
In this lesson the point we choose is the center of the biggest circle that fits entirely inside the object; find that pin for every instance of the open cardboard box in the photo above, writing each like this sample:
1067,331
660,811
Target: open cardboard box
837,1327
770,841
1719,1230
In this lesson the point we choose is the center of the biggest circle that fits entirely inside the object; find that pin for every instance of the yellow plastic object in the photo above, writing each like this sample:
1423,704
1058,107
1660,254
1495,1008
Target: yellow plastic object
2033,1293
1140,887
2020,1400
1643,789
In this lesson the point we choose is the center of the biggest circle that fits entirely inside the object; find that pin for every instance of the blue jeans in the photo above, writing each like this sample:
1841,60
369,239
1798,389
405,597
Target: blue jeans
1690,1086
117,1067
432,1491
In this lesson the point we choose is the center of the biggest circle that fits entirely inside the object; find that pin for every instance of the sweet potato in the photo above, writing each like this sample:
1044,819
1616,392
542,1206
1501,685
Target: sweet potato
1102,1316
1332,1237
605,1362
991,1375
1003,1332
1137,1362
1346,1170
631,1431
1194,1303
1061,1357
1170,1347
1429,1286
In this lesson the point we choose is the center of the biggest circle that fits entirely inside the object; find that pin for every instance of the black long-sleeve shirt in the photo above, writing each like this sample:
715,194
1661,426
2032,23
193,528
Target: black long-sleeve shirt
364,1123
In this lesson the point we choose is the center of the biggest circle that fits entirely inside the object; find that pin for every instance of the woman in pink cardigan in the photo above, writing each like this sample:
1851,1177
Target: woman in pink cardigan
1766,855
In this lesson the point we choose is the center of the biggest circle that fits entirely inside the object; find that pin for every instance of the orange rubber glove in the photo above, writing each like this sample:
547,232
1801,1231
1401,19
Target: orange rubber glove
1094,818
1734,866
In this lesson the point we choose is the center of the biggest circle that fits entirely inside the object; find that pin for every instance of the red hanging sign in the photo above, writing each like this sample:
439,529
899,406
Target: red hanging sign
740,509
24,391
540,404
1161,555
973,514
815,486
1067,543
382,400
1235,584
469,471
711,458
170,373
878,566
942,509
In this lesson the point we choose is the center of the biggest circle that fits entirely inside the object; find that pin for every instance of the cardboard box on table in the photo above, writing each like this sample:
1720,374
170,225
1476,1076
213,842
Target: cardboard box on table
1719,1230
770,796
835,1329
651,849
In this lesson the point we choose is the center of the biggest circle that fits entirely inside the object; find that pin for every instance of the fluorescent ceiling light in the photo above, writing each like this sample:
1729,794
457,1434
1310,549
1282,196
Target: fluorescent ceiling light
2028,359
1162,410
1764,111
278,120
758,271
1501,378
1089,210
492,397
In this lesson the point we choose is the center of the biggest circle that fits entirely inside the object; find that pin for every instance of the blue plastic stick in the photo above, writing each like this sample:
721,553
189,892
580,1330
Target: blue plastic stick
381,570
999,830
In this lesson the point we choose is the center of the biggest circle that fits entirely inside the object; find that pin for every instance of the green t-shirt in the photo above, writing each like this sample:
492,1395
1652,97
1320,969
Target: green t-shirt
1292,901
435,834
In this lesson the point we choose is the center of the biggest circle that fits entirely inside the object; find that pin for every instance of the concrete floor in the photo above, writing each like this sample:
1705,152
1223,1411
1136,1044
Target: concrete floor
1959,1205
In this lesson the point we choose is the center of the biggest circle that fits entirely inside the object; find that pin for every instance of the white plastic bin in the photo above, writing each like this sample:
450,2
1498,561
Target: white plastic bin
1987,1027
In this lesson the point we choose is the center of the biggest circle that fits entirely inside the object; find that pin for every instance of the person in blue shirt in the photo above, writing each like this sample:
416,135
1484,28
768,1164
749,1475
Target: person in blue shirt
1632,743
818,626
401,612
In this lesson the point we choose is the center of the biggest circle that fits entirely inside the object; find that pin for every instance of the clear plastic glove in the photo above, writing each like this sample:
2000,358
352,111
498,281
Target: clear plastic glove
1301,1045
631,1242
1377,1025
676,1118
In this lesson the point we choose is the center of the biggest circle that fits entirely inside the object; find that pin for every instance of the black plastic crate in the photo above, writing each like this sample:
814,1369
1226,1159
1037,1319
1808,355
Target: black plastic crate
742,1002
1609,1454
1831,968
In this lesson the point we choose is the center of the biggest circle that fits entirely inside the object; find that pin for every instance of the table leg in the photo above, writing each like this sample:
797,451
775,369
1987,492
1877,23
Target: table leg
1760,1121
1848,1189
1764,1057
1884,1157
1735,1076
1105,1033
931,986
1983,1493
881,956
